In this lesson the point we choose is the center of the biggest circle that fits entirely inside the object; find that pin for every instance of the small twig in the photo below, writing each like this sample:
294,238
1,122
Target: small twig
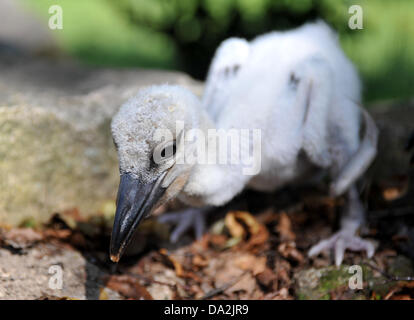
388,276
223,288
391,293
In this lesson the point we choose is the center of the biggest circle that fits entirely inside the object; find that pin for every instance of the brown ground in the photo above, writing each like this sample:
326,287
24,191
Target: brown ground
256,252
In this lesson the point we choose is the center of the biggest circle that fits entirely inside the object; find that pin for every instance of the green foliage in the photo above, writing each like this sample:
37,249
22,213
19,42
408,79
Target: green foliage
98,32
183,34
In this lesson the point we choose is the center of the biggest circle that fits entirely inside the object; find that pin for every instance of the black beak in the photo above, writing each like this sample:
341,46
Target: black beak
134,202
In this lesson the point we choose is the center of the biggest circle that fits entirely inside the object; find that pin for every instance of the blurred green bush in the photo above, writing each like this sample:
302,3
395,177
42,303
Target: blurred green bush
183,34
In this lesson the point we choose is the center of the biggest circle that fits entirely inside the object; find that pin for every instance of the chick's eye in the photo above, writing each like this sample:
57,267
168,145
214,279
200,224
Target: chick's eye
166,152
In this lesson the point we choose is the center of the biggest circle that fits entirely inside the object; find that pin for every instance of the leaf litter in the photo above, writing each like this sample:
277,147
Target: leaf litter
246,254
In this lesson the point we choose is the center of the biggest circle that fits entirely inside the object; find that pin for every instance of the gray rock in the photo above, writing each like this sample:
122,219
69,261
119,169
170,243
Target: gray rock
333,283
34,275
56,149
23,30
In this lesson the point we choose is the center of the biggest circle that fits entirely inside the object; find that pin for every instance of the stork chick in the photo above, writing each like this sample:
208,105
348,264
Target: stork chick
297,87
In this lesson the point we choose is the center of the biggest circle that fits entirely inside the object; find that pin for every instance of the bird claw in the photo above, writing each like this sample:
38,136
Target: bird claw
184,221
341,241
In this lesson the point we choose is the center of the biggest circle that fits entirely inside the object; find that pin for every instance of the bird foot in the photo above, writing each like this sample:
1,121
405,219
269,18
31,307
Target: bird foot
339,242
185,220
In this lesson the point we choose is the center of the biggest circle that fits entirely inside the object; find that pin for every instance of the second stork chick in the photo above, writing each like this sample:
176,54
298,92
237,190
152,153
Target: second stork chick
296,87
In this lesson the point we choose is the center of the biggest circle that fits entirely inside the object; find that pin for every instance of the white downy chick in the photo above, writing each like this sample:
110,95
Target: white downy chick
297,87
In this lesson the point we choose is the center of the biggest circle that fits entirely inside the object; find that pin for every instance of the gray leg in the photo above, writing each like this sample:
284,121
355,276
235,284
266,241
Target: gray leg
346,238
191,218
347,169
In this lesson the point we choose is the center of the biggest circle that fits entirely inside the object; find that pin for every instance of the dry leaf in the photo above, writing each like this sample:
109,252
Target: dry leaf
60,234
21,237
288,250
402,297
179,271
259,238
246,283
282,294
267,279
235,228
103,295
217,241
284,228
128,286
248,220
251,263
237,221
391,194
199,261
